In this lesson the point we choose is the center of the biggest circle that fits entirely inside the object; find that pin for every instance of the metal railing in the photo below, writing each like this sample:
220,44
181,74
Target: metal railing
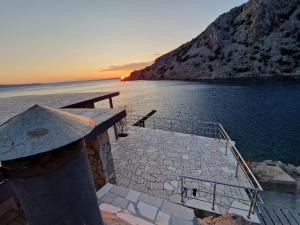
211,130
206,129
253,192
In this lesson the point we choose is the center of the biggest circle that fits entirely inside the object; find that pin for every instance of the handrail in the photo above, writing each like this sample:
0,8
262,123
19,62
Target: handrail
240,157
164,118
253,201
222,183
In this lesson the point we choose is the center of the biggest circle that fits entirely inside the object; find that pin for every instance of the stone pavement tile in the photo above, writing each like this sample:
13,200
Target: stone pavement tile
104,190
157,186
133,196
177,210
151,200
108,197
131,208
180,221
168,186
119,191
162,218
146,210
186,157
174,183
120,202
140,187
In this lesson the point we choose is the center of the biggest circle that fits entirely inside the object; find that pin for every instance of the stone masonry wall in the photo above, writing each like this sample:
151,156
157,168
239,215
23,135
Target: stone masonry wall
101,160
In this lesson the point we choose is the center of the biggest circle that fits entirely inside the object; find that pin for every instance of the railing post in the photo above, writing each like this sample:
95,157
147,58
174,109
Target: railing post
254,202
252,205
214,198
237,168
171,125
215,132
182,190
226,147
115,126
219,132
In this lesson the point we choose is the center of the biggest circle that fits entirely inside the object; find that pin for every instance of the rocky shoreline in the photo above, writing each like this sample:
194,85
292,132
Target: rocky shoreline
277,176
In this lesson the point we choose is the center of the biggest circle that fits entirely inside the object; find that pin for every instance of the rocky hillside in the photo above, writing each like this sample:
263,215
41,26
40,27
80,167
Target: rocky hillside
259,38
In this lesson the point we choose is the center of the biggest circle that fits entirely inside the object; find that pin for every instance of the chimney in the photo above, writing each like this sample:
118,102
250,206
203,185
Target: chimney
42,152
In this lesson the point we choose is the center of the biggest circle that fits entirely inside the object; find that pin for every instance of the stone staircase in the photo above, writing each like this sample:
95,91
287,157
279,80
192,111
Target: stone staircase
138,208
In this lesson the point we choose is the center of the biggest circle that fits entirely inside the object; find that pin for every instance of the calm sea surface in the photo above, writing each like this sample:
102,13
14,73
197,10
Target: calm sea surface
263,118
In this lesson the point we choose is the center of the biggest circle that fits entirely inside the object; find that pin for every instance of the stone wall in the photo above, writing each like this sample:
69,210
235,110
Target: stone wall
101,160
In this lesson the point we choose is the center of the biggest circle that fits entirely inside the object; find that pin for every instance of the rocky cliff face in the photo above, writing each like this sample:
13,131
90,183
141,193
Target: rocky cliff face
258,38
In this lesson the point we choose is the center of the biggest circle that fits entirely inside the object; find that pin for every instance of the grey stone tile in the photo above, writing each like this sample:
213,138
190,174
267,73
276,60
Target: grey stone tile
108,197
177,210
120,202
104,190
151,200
133,196
131,208
146,210
179,221
162,218
119,191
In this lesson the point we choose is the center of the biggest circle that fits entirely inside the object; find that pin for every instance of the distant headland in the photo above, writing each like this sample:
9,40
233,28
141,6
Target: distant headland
259,39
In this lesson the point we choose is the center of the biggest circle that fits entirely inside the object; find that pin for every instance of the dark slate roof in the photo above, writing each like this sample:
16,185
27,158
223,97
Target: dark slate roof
40,129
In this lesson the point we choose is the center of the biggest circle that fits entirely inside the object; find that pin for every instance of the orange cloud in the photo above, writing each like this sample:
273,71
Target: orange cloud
129,66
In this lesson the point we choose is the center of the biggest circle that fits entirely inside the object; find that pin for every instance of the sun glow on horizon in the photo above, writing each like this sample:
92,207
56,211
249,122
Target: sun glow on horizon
57,41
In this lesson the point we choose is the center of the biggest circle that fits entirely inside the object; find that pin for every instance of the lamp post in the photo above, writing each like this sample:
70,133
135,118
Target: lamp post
42,152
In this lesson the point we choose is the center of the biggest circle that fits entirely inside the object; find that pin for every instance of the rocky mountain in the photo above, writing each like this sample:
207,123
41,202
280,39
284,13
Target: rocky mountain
257,39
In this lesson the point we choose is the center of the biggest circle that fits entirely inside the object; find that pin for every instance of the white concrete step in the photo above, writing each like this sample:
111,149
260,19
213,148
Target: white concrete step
138,208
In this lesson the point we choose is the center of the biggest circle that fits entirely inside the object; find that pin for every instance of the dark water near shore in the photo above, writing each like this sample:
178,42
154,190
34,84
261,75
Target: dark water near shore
263,118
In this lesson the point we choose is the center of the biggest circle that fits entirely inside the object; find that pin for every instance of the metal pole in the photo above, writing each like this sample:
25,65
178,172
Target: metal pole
252,205
226,147
219,133
214,198
215,132
237,169
171,125
182,189
115,126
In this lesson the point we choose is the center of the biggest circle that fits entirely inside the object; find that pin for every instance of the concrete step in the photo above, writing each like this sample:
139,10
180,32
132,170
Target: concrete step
139,208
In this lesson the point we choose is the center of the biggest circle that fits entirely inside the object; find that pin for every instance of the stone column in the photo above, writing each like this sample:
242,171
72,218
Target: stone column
101,160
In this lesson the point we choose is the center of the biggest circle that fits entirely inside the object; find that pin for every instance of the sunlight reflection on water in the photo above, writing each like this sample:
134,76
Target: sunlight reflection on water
264,120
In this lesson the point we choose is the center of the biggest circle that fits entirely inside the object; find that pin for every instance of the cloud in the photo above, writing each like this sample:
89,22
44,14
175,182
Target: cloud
129,66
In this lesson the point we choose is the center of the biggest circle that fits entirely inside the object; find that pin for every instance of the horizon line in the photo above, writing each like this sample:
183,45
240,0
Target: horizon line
55,82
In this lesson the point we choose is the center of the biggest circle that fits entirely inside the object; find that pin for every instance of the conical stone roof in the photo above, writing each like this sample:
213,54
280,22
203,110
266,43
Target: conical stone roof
40,129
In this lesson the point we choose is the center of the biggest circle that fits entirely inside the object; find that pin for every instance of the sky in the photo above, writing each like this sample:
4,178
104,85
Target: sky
59,40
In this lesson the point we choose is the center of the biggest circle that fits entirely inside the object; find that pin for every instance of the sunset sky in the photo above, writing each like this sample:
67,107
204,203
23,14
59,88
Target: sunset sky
59,40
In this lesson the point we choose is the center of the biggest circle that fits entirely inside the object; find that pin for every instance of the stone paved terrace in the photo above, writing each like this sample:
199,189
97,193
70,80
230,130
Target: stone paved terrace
138,208
151,161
